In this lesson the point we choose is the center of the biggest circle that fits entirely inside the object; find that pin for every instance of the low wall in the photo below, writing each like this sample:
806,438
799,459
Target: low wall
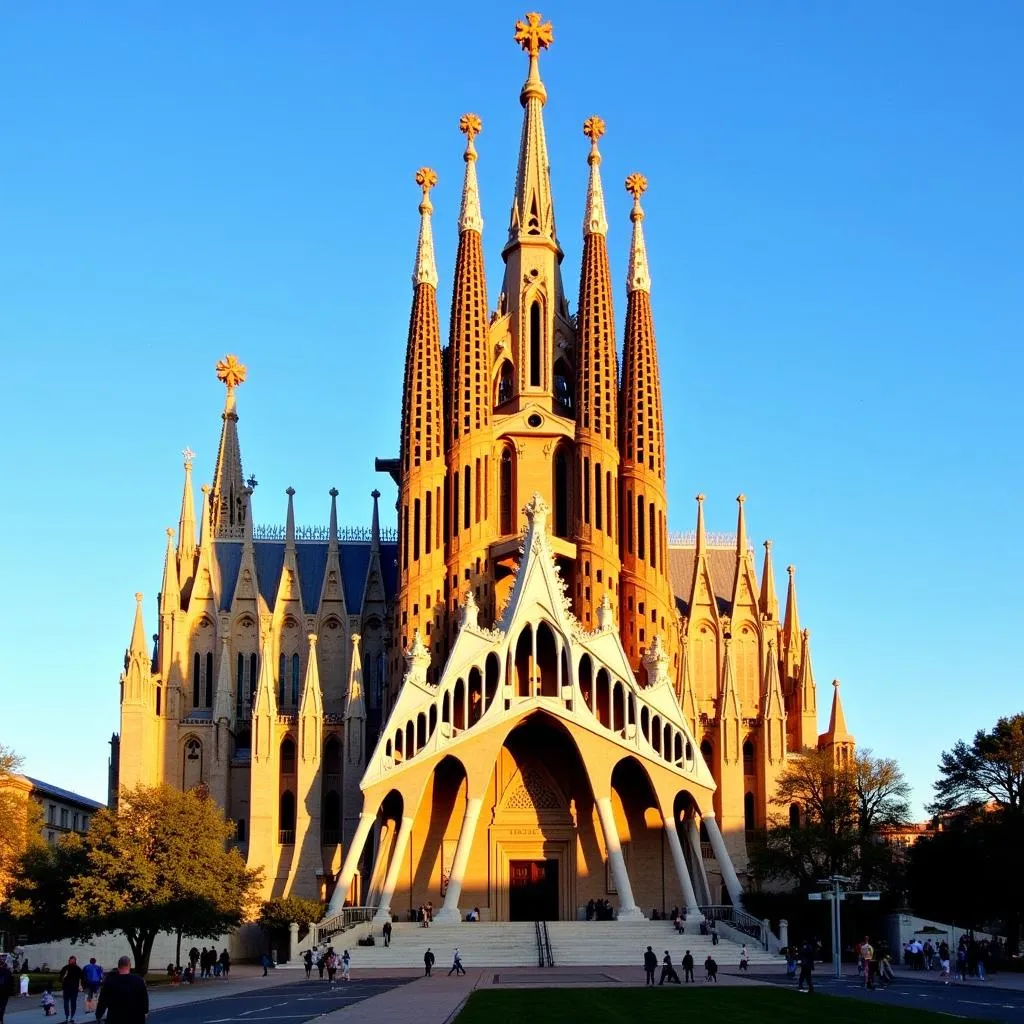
904,927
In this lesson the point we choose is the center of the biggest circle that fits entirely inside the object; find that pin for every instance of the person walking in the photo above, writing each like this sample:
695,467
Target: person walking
318,959
650,963
346,963
711,969
92,977
225,962
744,958
714,934
332,965
386,931
867,955
307,962
70,985
688,966
667,970
6,986
123,997
806,968
457,967
428,962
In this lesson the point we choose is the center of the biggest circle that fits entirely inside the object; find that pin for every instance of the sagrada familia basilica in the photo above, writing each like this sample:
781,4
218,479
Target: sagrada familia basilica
528,696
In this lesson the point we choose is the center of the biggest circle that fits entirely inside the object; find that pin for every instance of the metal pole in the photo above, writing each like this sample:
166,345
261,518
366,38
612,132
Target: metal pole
837,943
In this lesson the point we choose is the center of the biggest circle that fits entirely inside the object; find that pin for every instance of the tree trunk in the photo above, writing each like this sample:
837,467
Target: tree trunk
141,942
177,951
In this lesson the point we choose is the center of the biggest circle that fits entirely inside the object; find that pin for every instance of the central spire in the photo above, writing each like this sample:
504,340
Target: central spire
639,277
532,209
228,505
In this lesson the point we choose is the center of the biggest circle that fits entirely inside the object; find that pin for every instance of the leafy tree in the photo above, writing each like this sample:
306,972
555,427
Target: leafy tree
21,819
42,888
277,914
842,808
161,863
979,803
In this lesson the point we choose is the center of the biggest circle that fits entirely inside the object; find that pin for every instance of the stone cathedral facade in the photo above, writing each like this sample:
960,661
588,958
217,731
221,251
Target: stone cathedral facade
529,695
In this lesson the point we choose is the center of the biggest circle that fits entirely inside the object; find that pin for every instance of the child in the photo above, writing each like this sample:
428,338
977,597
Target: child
48,1003
346,962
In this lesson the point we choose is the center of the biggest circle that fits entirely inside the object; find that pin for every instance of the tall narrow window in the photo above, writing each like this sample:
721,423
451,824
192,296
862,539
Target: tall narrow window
467,498
505,382
428,526
295,680
281,679
608,510
653,535
598,491
405,536
535,345
254,663
561,493
240,686
209,679
476,509
640,527
586,490
455,504
629,521
197,662
158,695
416,530
505,488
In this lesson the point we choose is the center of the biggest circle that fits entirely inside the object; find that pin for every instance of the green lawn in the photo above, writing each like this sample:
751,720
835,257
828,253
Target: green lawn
725,1006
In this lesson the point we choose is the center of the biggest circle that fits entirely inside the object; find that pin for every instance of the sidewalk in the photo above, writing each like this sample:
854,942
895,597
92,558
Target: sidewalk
244,978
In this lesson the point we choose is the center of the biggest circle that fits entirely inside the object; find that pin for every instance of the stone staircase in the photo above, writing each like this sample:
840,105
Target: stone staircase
514,944
615,943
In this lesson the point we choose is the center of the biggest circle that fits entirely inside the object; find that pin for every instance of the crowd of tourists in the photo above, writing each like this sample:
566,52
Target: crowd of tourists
201,965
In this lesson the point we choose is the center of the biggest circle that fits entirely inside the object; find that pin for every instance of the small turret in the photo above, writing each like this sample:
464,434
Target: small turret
170,595
791,629
768,602
187,526
838,738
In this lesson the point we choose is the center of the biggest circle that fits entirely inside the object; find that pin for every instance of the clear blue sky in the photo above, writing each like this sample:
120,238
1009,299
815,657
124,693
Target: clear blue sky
834,222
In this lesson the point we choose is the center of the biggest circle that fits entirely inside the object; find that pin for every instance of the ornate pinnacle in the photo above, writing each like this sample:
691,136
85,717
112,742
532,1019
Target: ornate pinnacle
471,126
593,128
533,36
187,454
426,178
231,372
636,186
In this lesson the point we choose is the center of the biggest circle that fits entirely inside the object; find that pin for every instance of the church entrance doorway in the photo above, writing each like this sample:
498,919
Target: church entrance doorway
533,890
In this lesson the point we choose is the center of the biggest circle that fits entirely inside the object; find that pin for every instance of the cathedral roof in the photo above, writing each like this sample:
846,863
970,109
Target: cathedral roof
311,559
722,565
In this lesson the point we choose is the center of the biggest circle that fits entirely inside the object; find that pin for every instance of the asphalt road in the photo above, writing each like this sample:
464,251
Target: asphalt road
974,1001
283,1004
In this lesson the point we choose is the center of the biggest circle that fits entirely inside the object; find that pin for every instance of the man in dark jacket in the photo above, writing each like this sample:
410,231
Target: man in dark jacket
806,967
6,986
688,966
123,997
428,962
650,963
667,970
70,985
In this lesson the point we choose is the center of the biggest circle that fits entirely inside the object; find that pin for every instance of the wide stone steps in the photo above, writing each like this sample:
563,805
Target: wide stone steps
501,944
615,943
514,944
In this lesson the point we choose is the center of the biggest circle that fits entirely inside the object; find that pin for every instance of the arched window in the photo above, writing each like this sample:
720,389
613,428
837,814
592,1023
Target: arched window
547,661
416,530
209,680
197,662
192,767
243,741
506,499
286,818
282,679
467,498
705,752
240,686
749,818
295,680
158,701
640,527
505,383
428,523
598,493
287,756
561,489
535,345
332,819
794,815
748,758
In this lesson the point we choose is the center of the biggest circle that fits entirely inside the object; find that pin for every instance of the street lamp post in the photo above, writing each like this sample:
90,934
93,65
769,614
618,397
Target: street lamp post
835,896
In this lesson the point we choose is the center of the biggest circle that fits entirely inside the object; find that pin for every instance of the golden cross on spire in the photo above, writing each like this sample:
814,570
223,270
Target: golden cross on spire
636,186
230,372
593,128
533,36
471,126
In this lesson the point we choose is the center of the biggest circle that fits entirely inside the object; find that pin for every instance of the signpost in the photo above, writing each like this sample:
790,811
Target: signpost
835,894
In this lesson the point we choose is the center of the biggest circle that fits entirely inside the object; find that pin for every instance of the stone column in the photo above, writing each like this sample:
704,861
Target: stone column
732,883
348,868
689,896
693,830
450,913
391,878
628,910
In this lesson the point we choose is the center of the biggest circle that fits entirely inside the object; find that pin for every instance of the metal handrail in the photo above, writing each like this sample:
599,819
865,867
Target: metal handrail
347,918
547,945
540,944
738,919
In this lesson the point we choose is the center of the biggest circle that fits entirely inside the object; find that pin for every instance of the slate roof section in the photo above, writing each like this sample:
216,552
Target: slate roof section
722,566
311,559
46,789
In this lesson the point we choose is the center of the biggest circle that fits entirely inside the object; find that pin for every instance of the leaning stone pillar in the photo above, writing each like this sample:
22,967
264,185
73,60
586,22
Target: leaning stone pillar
450,912
628,910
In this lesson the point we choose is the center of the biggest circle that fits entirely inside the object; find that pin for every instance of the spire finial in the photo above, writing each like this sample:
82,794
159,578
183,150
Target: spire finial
594,220
375,522
140,643
470,216
425,269
187,521
639,277
231,373
534,35
332,537
702,541
289,527
741,527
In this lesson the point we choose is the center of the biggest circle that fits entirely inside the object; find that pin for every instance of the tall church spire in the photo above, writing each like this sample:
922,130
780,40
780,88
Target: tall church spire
791,628
228,500
645,582
468,395
533,212
597,374
170,593
187,524
768,601
422,480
